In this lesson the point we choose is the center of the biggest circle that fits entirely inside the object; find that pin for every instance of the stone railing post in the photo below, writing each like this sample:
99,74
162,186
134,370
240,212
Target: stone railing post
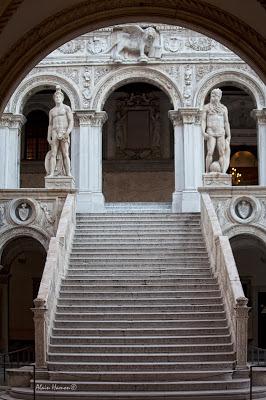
40,333
241,310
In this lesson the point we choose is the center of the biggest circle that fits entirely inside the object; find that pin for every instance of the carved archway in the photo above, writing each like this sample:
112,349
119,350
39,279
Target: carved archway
87,16
243,79
134,74
33,84
251,230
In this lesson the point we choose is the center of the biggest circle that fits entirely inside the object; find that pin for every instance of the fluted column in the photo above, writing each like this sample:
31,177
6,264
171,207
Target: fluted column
90,197
260,117
10,130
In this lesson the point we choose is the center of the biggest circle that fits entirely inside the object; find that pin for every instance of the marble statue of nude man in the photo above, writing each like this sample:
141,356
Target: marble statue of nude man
60,126
216,130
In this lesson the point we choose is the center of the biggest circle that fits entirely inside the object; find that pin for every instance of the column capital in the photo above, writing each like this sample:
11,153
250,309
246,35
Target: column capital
91,117
259,116
189,115
10,120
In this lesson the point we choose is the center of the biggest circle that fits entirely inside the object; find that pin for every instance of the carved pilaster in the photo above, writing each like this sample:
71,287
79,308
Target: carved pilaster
241,332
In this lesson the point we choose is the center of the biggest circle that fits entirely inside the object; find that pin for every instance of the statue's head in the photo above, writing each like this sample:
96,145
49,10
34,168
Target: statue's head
150,33
58,95
216,95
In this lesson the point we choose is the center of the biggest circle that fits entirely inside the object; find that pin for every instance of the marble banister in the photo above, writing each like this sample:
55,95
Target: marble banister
54,271
224,267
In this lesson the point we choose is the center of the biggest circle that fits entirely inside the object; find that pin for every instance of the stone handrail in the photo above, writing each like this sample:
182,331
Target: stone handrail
54,271
224,268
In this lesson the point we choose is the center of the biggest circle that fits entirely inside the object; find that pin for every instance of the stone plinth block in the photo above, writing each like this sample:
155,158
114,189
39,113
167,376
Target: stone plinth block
217,179
60,182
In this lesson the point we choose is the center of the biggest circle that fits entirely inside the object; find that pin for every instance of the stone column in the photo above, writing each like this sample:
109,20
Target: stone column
176,119
260,116
192,161
90,197
10,129
40,329
241,333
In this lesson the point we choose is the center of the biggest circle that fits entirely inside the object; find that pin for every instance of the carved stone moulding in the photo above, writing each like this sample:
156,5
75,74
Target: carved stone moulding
217,179
244,209
22,211
60,182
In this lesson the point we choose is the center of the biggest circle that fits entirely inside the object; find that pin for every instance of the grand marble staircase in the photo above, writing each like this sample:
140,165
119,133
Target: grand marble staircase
140,315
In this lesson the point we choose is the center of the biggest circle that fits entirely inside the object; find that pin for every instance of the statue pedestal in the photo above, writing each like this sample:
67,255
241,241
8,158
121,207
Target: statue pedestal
217,179
59,182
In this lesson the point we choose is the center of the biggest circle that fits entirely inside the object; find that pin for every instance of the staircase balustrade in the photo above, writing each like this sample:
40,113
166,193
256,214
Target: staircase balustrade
54,271
224,267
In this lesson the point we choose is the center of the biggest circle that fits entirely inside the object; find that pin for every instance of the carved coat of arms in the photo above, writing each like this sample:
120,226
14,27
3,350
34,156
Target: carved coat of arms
23,212
172,44
244,209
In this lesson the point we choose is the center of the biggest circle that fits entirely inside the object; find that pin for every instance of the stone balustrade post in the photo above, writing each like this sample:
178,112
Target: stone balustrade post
90,197
241,310
40,329
10,130
260,117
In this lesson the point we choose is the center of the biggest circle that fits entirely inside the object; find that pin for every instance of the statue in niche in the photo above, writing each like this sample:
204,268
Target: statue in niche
132,39
57,161
121,130
216,130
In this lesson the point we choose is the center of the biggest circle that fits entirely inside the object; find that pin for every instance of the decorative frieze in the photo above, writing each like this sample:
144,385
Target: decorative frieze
10,120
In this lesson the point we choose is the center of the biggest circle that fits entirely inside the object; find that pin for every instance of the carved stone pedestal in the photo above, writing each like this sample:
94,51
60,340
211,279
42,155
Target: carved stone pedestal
217,179
60,182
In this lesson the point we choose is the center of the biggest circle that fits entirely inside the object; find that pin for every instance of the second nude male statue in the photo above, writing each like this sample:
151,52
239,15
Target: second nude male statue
216,130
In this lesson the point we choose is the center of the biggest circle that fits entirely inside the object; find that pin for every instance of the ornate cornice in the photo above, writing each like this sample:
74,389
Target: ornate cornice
189,115
75,20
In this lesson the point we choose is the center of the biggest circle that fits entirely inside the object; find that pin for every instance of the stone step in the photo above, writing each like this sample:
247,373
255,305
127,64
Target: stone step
140,244
138,386
141,302
141,215
140,331
133,281
112,287
112,295
139,250
80,273
141,348
138,323
140,357
140,366
141,340
158,264
162,259
70,308
136,376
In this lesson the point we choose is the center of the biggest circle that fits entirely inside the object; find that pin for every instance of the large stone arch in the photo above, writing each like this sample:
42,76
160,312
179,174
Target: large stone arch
251,230
67,23
34,83
243,79
126,75
13,233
